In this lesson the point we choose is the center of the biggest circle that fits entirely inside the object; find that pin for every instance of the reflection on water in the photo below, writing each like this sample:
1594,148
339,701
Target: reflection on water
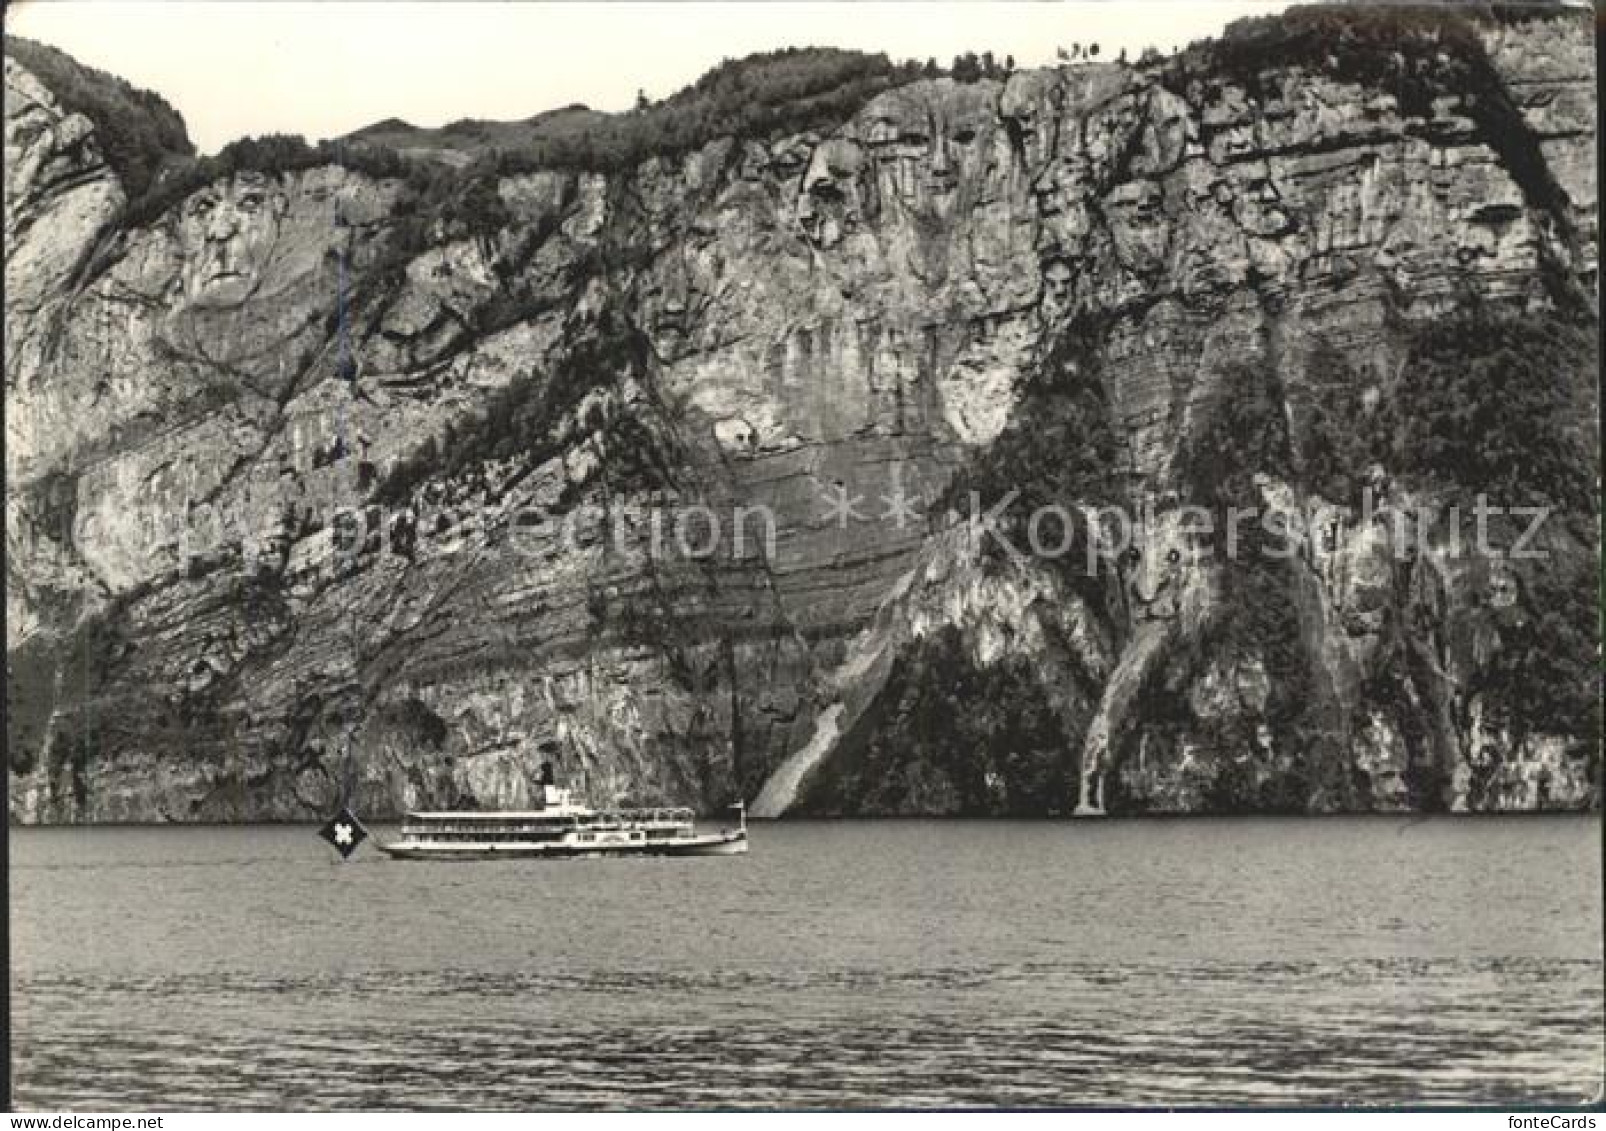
874,963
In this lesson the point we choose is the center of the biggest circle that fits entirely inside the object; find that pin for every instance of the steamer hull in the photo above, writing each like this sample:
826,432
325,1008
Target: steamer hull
710,844
560,829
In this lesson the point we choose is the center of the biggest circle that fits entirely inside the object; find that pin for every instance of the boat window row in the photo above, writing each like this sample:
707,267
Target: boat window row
609,838
482,834
647,816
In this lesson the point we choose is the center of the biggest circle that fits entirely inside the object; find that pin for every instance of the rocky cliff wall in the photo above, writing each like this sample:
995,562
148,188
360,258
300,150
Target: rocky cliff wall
303,476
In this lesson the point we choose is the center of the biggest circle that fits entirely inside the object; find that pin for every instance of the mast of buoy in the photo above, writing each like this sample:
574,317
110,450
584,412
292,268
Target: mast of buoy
344,830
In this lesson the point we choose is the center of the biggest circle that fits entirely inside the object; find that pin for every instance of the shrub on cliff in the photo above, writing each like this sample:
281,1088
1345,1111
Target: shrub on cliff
1413,51
137,130
1339,431
54,687
272,154
971,68
771,94
30,700
763,95
1060,449
1243,432
1505,406
1545,677
949,735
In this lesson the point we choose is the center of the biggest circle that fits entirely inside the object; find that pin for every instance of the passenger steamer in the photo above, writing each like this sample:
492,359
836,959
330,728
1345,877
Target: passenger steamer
560,828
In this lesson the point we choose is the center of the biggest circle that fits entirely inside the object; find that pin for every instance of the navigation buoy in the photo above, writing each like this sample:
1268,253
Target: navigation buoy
344,832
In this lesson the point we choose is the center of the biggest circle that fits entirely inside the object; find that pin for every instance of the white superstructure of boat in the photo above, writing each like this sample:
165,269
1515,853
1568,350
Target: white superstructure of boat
561,827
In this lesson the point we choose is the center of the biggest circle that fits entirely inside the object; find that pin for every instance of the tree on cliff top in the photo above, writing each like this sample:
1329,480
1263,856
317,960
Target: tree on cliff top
766,95
137,130
763,95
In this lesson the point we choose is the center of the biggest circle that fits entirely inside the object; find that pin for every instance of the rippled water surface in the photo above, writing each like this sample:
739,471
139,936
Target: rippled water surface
875,963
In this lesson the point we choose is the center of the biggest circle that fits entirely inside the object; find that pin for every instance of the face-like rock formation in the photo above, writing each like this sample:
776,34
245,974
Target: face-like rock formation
834,201
227,234
934,148
1166,570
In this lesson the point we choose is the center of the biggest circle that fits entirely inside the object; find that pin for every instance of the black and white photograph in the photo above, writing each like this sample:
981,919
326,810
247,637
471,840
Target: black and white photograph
654,557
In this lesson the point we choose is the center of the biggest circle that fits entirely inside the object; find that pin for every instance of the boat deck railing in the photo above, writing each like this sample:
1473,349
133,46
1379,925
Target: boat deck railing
555,825
646,816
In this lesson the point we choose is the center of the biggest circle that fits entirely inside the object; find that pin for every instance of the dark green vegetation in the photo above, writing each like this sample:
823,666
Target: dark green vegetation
1546,676
971,67
1060,449
446,170
139,133
1413,51
1343,425
766,95
30,696
1244,430
1490,404
1060,445
1508,408
1258,616
947,736
272,154
51,686
1504,406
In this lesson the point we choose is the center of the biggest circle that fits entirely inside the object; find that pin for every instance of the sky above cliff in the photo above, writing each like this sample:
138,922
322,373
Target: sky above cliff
324,69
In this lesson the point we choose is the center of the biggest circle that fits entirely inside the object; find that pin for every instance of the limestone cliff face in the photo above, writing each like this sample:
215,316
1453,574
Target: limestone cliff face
296,469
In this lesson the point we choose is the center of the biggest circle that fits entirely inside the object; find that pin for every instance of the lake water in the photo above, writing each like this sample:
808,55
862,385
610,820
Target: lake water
1313,962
